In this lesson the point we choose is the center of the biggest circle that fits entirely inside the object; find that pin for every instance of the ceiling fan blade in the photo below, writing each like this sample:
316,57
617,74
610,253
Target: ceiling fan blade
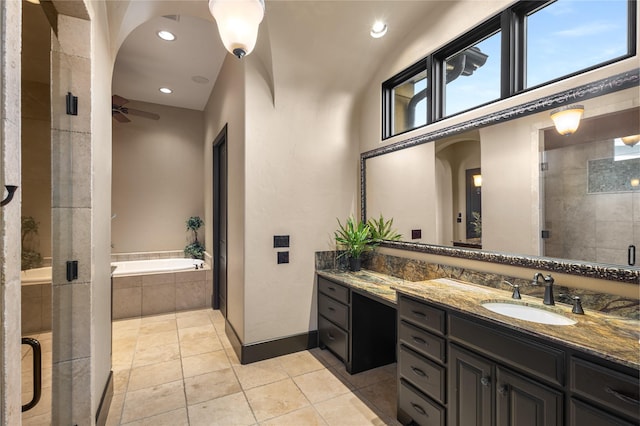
118,100
120,117
144,114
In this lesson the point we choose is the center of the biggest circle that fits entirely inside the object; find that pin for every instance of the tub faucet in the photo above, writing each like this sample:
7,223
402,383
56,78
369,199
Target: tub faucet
548,287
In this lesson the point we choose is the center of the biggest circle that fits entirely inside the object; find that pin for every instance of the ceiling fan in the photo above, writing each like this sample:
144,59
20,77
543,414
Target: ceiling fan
119,112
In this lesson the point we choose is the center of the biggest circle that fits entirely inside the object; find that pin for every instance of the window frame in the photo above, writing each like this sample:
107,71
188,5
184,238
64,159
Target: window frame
511,23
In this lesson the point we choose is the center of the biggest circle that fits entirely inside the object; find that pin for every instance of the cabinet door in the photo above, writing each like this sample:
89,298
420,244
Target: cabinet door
523,402
470,389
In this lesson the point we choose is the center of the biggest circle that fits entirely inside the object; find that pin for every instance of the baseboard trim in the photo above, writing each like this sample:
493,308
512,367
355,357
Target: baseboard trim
271,348
105,402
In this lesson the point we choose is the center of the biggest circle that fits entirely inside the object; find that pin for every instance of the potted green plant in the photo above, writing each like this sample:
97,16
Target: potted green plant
354,238
30,257
195,249
382,230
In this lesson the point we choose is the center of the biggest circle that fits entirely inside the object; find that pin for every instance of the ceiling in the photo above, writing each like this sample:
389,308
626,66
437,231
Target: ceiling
326,37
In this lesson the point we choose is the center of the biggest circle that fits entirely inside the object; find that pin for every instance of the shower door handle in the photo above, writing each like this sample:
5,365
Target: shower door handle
631,255
37,372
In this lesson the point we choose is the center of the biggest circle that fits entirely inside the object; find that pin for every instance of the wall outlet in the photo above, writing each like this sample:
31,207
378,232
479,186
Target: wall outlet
283,257
416,234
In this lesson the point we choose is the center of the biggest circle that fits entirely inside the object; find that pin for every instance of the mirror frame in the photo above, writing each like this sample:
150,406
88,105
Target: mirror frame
591,90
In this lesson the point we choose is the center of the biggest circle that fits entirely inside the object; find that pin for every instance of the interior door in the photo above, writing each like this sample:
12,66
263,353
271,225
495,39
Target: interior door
220,222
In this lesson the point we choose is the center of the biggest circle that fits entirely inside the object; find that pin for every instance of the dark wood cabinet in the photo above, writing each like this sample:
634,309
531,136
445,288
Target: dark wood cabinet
470,388
356,327
521,401
496,375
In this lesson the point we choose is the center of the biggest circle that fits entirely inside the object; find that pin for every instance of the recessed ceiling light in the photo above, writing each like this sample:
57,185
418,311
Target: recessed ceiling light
378,29
166,35
34,1
166,90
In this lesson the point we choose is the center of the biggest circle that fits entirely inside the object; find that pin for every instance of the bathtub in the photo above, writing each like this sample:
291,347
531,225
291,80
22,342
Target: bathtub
36,276
131,267
140,267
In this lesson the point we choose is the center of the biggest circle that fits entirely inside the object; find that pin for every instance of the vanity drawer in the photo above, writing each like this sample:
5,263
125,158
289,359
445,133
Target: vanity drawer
422,373
607,387
333,337
334,311
581,414
420,409
422,341
334,290
421,314
537,359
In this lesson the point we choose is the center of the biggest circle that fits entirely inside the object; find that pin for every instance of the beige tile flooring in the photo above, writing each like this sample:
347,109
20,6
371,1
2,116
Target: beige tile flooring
179,369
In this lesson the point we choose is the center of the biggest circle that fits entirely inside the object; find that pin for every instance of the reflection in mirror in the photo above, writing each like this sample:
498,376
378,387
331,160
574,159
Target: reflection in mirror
592,190
526,216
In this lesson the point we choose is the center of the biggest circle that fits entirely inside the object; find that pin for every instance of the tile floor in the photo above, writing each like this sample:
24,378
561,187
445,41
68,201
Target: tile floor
179,369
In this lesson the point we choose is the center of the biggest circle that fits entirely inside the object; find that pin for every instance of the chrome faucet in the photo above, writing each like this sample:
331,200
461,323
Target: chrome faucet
548,287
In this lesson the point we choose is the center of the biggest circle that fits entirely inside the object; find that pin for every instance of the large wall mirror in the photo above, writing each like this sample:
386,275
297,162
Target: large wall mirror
508,188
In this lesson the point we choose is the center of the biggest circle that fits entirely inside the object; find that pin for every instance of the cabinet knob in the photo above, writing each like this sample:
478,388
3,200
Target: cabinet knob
485,381
503,390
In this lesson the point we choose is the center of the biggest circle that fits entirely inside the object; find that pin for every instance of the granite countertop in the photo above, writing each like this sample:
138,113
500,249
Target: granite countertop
611,337
374,283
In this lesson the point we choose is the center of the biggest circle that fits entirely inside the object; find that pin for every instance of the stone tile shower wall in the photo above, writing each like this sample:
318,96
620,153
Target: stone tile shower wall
590,210
418,270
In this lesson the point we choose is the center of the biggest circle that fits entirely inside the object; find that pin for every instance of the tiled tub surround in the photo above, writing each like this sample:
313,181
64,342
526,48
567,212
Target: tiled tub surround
36,308
607,336
148,255
159,293
417,270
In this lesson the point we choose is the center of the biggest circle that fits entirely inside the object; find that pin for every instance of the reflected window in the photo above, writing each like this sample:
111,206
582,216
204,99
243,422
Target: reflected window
568,36
473,76
409,103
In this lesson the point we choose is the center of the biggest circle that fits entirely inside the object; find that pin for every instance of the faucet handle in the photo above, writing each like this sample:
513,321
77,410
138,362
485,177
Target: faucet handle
576,302
516,290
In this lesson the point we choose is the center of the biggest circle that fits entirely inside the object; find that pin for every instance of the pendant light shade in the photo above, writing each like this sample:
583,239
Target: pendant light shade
630,140
238,22
567,119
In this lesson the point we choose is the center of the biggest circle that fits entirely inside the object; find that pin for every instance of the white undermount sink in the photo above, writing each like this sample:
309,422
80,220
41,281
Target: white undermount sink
528,313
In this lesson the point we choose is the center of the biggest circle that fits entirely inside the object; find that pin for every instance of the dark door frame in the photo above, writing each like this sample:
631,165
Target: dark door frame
219,143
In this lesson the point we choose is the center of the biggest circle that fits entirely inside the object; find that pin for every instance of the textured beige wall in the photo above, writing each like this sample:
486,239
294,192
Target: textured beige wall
101,64
226,105
301,173
158,174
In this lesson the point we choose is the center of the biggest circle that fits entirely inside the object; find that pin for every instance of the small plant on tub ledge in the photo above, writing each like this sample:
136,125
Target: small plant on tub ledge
356,238
194,249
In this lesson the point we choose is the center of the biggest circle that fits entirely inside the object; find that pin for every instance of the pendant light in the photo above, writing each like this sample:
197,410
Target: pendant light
567,119
238,22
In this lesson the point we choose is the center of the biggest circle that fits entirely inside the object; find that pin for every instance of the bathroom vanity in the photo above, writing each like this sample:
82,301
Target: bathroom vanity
357,324
460,363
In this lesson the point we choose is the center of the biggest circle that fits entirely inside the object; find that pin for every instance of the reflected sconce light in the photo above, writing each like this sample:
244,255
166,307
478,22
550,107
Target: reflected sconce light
567,119
238,22
635,182
477,181
631,140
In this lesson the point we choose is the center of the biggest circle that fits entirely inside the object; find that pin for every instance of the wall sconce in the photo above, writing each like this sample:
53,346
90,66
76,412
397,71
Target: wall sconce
477,181
238,22
567,119
631,140
635,182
